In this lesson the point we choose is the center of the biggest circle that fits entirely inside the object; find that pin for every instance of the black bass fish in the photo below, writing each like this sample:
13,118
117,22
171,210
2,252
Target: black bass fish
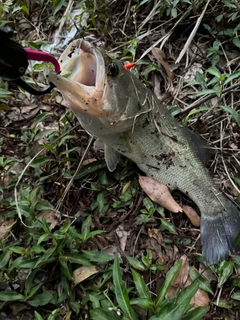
116,108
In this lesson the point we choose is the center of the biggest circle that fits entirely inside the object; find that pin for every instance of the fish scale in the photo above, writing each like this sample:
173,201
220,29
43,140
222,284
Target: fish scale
129,119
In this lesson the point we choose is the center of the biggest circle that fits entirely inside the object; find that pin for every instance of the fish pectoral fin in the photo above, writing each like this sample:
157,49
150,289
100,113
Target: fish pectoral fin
98,145
112,157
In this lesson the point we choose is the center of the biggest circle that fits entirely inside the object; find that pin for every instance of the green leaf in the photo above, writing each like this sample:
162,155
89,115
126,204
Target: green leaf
57,5
33,291
97,256
192,112
10,296
135,263
174,110
168,226
44,206
203,283
140,285
87,169
120,291
216,90
232,76
236,295
37,315
40,117
236,41
186,295
196,314
233,113
182,304
4,258
214,71
40,299
24,263
65,268
221,303
48,256
148,203
29,282
100,314
76,258
237,180
64,139
226,270
86,227
142,303
36,163
170,276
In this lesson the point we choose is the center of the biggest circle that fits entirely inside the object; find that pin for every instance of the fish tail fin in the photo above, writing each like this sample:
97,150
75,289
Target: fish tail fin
218,234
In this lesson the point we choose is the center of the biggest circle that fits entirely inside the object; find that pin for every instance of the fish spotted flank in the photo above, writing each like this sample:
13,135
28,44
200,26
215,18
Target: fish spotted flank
115,107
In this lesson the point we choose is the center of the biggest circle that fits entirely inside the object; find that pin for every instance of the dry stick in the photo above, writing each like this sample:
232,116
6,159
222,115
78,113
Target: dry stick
192,35
150,16
68,9
230,179
16,185
20,178
206,98
164,38
60,202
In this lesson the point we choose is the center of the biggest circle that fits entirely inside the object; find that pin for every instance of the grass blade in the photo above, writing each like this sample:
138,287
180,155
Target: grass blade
121,292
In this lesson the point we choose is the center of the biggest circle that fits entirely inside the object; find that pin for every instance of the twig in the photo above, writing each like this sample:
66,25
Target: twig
192,35
60,202
206,98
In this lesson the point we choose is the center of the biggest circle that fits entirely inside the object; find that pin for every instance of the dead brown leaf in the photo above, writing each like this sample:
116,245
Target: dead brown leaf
51,216
159,193
181,277
122,234
192,215
154,233
161,57
5,226
207,273
182,280
200,298
83,273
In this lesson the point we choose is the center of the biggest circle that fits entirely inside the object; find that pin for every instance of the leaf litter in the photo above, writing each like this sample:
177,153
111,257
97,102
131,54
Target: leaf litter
223,134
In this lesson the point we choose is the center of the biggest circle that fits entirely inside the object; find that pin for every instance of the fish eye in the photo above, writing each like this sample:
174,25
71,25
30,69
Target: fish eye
112,70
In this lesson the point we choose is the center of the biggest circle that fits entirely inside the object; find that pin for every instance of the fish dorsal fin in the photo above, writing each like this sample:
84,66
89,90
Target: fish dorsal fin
200,146
112,157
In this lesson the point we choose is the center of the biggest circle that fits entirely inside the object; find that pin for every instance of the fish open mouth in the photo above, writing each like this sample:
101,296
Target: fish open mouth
83,89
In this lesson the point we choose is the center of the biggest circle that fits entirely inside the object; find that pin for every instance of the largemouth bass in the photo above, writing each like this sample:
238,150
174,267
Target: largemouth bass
115,107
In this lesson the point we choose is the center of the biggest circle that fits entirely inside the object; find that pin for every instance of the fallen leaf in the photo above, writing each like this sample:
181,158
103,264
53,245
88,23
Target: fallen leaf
51,216
122,234
192,215
159,193
200,298
233,146
181,278
182,281
5,227
83,273
182,275
207,273
154,233
161,57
